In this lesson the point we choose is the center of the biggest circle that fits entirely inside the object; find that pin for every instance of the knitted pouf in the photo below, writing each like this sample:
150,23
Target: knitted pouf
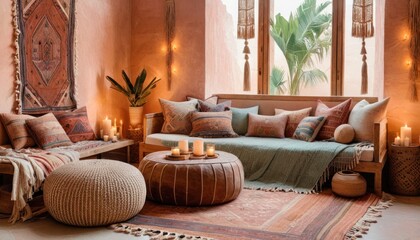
94,192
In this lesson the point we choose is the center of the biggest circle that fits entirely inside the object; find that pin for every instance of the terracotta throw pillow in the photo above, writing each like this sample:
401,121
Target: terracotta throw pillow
76,124
15,126
364,115
48,132
294,119
266,126
335,116
212,125
177,116
204,106
308,128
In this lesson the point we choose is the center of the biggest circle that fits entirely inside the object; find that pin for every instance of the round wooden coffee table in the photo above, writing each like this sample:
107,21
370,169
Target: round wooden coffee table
192,182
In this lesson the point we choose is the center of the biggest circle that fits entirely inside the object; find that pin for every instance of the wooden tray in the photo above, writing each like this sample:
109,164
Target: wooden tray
177,157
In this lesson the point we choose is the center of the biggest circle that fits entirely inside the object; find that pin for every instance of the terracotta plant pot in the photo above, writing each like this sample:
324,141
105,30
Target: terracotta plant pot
136,114
348,184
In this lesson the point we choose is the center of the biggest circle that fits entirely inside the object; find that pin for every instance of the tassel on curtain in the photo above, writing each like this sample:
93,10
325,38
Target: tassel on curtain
170,35
246,31
414,24
362,27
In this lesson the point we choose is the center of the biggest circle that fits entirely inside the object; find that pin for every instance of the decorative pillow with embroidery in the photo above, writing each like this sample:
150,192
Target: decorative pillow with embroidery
212,99
177,116
76,124
15,125
48,132
294,119
308,128
212,125
335,116
364,115
266,126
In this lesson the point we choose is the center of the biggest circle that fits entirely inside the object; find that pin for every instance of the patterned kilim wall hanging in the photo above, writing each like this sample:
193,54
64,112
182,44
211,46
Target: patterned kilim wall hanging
246,31
414,24
362,27
45,64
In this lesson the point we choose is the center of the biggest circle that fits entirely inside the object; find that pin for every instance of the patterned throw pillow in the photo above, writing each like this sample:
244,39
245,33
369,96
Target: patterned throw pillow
335,116
15,126
76,124
266,126
204,106
294,119
177,116
212,99
48,132
240,118
212,124
308,128
364,115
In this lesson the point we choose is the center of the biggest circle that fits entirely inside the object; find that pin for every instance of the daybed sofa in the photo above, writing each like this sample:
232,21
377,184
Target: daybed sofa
370,160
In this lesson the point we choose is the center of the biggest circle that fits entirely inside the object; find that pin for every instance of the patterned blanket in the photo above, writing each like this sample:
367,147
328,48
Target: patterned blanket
31,166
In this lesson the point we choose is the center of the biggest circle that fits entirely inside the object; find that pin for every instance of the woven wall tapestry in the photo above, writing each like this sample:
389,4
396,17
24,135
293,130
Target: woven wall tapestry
44,32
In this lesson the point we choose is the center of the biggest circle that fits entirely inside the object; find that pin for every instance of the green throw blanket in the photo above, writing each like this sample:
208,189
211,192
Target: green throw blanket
283,164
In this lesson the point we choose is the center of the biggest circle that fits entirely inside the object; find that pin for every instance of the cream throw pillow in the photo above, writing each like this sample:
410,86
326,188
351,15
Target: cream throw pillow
364,115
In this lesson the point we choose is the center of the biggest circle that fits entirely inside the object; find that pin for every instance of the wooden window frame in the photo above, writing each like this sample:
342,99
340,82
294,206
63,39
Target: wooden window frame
337,46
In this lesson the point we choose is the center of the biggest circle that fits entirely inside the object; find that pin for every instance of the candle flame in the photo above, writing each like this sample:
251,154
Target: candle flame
106,118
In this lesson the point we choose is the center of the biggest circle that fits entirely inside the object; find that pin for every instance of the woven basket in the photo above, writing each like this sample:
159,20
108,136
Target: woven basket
94,192
404,170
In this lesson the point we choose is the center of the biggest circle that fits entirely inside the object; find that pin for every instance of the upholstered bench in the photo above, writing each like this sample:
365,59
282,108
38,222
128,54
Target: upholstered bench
94,192
192,182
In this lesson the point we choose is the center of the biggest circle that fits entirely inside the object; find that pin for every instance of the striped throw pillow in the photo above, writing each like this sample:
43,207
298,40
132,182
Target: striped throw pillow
212,125
308,128
15,126
48,132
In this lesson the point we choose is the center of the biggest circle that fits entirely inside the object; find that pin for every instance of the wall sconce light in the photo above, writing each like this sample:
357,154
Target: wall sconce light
408,63
405,37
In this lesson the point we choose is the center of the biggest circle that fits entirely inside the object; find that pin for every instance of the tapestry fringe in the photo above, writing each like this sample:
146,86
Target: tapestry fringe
16,33
373,213
138,231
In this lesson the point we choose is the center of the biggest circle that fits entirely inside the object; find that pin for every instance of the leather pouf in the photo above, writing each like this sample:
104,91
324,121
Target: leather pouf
94,192
348,184
192,182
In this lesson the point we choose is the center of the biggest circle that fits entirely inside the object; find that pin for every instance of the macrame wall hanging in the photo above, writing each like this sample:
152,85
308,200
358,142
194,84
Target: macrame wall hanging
246,31
170,35
414,24
362,27
44,31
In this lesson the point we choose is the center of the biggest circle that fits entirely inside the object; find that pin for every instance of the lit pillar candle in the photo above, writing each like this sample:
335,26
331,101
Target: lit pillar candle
397,141
405,132
106,138
406,142
198,147
175,151
121,129
210,150
112,132
183,145
106,126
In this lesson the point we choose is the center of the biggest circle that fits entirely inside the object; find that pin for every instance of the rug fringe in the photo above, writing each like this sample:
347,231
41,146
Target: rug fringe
372,214
278,189
152,234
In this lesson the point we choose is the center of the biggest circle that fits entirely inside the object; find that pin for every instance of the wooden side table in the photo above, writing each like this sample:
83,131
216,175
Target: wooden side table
404,170
135,134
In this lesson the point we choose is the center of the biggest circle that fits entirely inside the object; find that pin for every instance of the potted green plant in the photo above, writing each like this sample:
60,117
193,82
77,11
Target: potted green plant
136,94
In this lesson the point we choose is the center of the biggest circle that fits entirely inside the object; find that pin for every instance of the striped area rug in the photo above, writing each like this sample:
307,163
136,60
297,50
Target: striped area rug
263,215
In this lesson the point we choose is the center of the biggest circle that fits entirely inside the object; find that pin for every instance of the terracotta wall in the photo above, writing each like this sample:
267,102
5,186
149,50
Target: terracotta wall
401,110
103,48
149,48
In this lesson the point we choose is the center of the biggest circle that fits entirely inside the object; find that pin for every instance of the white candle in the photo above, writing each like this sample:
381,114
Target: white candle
175,151
183,145
397,141
106,138
112,132
406,142
106,126
210,150
198,147
121,128
405,132
114,138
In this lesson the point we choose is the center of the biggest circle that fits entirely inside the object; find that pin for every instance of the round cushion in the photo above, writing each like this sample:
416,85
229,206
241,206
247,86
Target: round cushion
94,192
192,182
348,184
344,133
